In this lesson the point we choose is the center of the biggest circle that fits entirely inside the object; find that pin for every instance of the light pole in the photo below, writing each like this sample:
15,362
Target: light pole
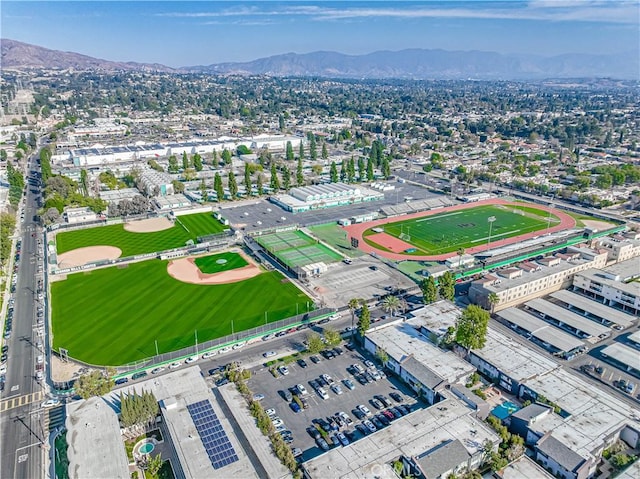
490,219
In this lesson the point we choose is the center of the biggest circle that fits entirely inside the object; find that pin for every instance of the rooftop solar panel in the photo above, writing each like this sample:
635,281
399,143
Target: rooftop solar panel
212,434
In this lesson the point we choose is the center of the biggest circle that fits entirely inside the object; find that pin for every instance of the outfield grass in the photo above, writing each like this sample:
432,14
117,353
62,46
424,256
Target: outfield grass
113,316
209,264
333,234
449,231
139,243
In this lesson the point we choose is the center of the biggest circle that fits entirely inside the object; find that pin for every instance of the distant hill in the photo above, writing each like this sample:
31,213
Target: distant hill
407,64
17,55
436,64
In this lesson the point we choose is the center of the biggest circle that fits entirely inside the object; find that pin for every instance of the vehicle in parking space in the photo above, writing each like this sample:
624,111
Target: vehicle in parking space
369,377
376,422
302,363
258,397
375,403
338,350
327,379
328,354
314,359
322,393
351,435
343,439
175,365
364,430
213,371
397,397
304,402
404,408
296,451
191,359
397,410
271,412
355,369
222,382
294,407
383,419
369,364
3,358
301,389
384,400
324,321
358,413
280,427
280,334
630,387
268,354
39,374
157,370
286,395
139,375
362,379
369,425
313,432
315,384
336,389
333,317
345,417
226,349
323,424
288,439
363,409
238,345
349,384
121,381
276,421
268,337
322,444
283,370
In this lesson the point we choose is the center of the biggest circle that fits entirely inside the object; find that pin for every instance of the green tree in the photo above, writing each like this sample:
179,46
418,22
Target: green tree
3,155
429,290
84,181
391,304
154,464
332,337
382,356
173,164
45,164
493,300
351,171
315,344
233,185
386,168
259,182
197,162
361,169
471,327
460,253
447,285
275,183
217,186
203,191
226,156
178,186
353,305
185,160
94,383
313,147
370,170
299,175
604,181
325,152
364,323
247,179
281,123
286,178
333,172
343,171
301,151
289,149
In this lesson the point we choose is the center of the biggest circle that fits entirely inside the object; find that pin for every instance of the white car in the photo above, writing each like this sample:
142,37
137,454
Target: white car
334,317
302,390
268,354
3,369
370,426
345,417
208,355
364,409
328,379
157,370
271,412
283,370
50,403
226,349
174,365
336,389
322,393
191,359
238,345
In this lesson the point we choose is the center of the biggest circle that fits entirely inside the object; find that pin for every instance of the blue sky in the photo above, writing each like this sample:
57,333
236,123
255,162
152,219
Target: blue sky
205,32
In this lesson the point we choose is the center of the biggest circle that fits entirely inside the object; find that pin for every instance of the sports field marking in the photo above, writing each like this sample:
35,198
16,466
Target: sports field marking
439,216
495,236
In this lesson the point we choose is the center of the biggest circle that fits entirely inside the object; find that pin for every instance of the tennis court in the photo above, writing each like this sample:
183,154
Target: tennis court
284,240
295,249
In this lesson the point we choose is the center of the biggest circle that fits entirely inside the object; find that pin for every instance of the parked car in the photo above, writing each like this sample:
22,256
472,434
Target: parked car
322,444
315,384
376,422
269,354
363,409
322,393
302,363
383,419
283,370
50,403
314,359
396,397
385,401
389,415
258,397
121,381
174,365
296,451
191,359
286,395
336,389
301,389
343,439
327,379
157,370
345,417
338,350
313,432
271,412
369,425
349,384
364,430
139,375
375,403
294,407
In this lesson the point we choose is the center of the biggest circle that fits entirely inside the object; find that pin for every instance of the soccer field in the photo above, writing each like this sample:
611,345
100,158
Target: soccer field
449,231
131,243
113,316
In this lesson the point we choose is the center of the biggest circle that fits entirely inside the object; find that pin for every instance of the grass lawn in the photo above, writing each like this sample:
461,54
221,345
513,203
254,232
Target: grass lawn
210,265
139,243
333,234
448,231
113,316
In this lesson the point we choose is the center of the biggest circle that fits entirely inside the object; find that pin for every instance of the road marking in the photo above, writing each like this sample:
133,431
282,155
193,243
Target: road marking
15,388
23,400
23,458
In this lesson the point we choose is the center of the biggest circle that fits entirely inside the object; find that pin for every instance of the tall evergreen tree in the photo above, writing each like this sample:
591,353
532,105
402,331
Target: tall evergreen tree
325,152
226,156
351,170
275,183
446,285
233,185
429,290
386,168
185,160
343,171
286,178
259,184
369,169
247,179
217,185
361,169
289,151
313,147
299,174
301,151
333,172
203,191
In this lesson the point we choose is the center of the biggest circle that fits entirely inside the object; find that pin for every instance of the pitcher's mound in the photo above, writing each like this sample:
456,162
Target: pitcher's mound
82,256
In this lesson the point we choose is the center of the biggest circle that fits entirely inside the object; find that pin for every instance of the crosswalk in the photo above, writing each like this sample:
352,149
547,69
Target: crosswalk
23,400
54,418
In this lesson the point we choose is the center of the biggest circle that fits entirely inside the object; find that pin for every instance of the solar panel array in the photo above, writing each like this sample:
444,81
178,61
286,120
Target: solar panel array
214,438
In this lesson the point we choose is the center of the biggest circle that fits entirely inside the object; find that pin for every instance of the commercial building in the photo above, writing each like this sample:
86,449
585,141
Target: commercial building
612,285
623,357
619,248
155,183
533,279
79,215
328,195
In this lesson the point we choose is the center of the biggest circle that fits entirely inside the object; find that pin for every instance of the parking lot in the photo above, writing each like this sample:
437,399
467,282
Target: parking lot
338,369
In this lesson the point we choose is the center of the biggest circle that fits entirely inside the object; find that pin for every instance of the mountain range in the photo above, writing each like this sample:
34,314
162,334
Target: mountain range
405,64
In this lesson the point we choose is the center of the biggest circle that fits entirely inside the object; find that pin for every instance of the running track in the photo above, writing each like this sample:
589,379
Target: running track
357,230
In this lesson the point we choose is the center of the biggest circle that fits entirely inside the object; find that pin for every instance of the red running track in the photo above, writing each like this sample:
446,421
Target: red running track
357,230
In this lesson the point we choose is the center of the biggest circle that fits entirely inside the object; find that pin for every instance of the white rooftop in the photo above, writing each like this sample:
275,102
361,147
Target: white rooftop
594,307
436,317
524,468
580,323
623,354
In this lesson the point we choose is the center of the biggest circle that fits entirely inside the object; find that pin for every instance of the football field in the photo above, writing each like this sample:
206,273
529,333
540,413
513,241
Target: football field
465,228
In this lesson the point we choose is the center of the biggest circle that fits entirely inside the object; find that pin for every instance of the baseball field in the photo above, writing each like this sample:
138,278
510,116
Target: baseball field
464,228
188,227
115,315
216,263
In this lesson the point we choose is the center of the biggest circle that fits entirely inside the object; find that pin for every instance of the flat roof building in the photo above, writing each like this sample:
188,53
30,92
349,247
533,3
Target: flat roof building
523,468
593,309
624,356
324,196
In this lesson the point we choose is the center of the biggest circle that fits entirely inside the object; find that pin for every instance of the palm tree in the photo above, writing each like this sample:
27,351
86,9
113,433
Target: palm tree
493,300
353,304
391,304
460,253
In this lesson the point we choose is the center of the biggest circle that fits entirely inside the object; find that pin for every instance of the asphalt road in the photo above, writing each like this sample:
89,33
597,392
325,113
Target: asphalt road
21,418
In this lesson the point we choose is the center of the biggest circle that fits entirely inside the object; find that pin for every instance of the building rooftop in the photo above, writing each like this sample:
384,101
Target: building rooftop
594,308
523,468
96,448
409,347
563,455
623,354
512,358
625,270
442,458
580,323
541,330
437,317
634,338
597,275
531,411
408,436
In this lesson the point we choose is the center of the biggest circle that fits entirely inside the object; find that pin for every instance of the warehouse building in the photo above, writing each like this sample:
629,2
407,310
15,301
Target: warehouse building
328,195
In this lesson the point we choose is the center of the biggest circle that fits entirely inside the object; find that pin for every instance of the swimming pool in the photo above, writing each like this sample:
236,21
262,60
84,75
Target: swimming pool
505,410
147,448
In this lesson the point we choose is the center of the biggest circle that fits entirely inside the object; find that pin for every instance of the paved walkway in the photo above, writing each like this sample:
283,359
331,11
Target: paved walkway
357,230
